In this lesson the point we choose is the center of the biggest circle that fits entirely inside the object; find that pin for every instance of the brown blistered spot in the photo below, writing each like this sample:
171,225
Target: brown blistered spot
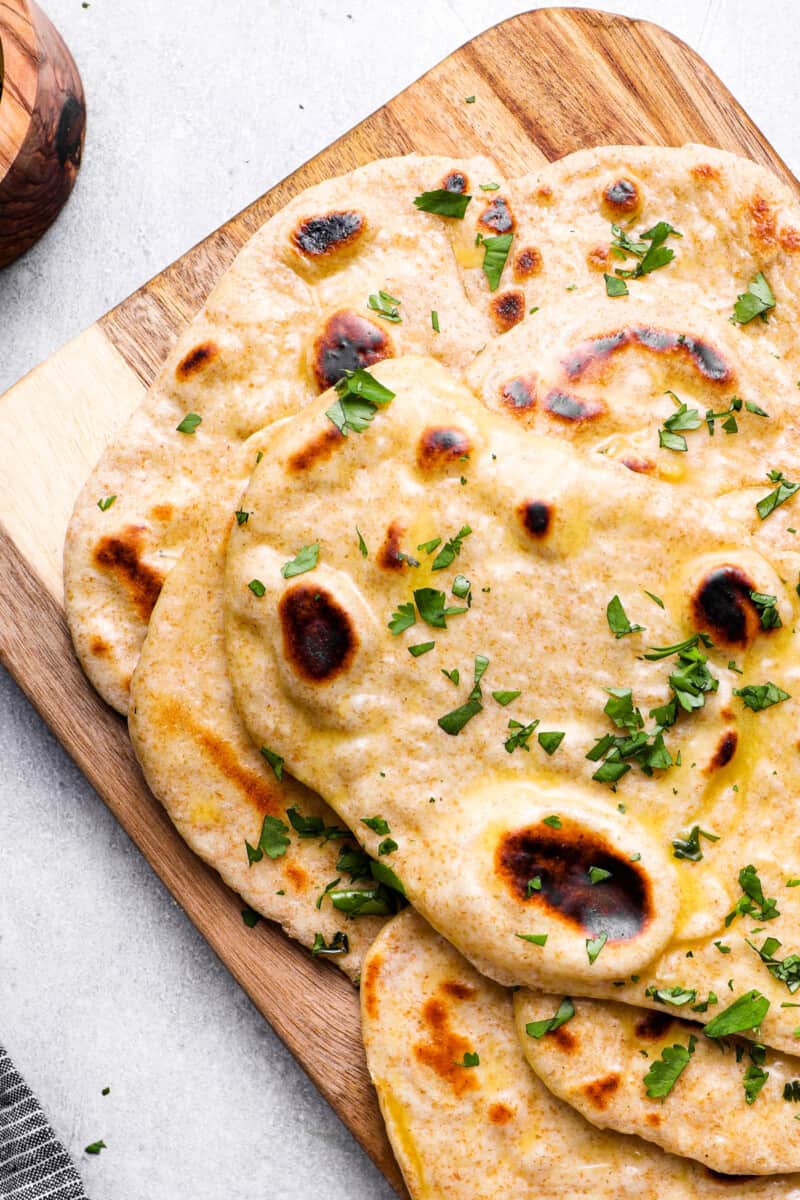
642,466
708,360
535,516
763,224
789,238
497,217
723,608
347,342
527,262
321,447
620,906
600,1091
544,194
564,1039
507,309
726,748
459,990
455,181
369,985
500,1114
445,1048
318,635
328,233
162,512
440,446
390,556
196,360
598,258
519,394
294,874
621,198
99,647
652,1026
569,407
121,555
653,1119
596,350
705,171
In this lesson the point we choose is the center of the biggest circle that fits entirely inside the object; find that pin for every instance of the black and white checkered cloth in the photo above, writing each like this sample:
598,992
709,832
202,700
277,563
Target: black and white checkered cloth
33,1163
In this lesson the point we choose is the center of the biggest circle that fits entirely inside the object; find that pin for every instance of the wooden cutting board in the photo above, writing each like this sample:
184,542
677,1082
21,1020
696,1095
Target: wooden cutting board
546,83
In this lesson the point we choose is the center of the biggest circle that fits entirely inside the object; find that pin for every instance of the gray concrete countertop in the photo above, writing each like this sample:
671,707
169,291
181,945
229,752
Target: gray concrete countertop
195,109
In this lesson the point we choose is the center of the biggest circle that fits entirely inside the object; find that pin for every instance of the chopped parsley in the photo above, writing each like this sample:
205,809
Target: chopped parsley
461,588
614,285
650,249
598,874
550,740
617,619
431,607
314,827
757,301
656,599
677,996
758,696
378,825
95,1147
453,675
746,1013
658,652
442,202
250,917
403,619
495,253
362,545
536,939
450,550
453,722
755,1076
785,970
767,610
339,944
105,504
791,1091
189,423
257,587
305,560
385,306
594,946
420,648
489,187
273,841
665,1072
242,516
565,1012
689,847
753,902
554,822
504,698
470,1059
519,736
359,398
435,321
274,760
783,492
387,846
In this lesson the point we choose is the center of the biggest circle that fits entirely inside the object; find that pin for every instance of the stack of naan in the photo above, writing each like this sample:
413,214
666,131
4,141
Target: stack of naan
448,576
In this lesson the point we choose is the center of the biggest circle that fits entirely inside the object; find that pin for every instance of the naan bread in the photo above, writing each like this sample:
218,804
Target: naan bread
216,787
598,1060
552,537
494,1131
281,326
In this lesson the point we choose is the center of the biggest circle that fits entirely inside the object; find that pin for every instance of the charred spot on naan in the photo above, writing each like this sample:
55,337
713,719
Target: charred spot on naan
600,1091
571,408
619,906
527,263
598,258
507,309
641,466
444,1048
442,446
390,556
789,239
162,513
369,984
499,1113
763,221
519,395
458,989
455,181
565,1039
621,198
296,876
721,606
497,217
196,360
536,516
653,1118
347,341
652,1026
320,447
726,748
590,356
121,555
99,647
324,235
706,172
319,638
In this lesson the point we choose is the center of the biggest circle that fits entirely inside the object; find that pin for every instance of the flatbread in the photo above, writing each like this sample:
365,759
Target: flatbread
493,1130
281,325
320,679
598,1060
216,787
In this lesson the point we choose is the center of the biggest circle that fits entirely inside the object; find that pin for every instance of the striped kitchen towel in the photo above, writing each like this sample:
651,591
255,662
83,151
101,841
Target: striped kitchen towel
33,1163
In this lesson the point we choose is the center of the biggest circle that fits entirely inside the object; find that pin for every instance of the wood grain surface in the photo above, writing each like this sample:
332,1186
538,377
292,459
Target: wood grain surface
546,83
42,125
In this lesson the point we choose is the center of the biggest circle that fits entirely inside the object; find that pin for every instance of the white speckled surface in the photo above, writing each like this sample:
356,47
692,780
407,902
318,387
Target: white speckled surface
194,109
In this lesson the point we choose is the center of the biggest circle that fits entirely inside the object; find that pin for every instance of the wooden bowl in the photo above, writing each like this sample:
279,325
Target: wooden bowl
42,120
